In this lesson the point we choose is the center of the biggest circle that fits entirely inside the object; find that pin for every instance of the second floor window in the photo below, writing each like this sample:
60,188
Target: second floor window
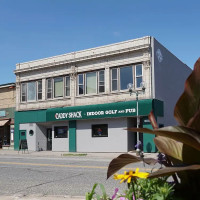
31,91
138,75
57,87
122,76
91,83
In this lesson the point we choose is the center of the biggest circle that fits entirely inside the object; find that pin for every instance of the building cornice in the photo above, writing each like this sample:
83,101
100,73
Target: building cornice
85,55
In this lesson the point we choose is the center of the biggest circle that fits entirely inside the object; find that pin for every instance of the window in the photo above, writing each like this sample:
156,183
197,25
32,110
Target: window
126,77
31,91
138,75
91,83
67,86
101,82
80,84
114,79
49,88
31,132
122,76
39,90
100,130
23,92
61,132
58,87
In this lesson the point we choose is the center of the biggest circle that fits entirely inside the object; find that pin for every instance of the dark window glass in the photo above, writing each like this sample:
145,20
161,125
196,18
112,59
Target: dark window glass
60,132
80,84
114,85
138,81
100,130
138,70
114,73
126,77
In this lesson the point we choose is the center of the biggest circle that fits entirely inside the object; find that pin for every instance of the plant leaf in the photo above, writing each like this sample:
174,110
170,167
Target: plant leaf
103,191
187,109
125,159
179,133
152,119
169,147
171,170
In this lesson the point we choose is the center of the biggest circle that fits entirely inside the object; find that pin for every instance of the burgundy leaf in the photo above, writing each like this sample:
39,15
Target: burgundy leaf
179,133
187,109
124,159
152,119
171,170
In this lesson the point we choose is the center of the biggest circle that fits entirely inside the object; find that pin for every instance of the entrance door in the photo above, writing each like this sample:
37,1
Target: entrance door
22,134
49,139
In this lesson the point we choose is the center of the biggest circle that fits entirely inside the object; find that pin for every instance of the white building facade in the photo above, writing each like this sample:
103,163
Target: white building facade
79,102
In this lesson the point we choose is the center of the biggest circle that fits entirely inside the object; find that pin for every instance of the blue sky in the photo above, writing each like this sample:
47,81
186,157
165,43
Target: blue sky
34,29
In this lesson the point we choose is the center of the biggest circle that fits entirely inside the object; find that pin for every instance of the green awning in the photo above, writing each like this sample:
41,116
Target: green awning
109,110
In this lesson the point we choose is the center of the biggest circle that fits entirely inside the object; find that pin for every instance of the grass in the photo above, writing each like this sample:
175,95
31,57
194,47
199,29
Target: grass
74,154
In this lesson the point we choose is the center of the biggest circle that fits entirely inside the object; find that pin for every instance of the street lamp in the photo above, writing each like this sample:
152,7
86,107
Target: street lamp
141,90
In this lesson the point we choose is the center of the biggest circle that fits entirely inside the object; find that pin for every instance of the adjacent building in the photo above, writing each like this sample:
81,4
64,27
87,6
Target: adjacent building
7,109
79,101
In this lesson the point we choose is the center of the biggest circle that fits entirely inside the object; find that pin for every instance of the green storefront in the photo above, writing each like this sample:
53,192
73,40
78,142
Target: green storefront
84,114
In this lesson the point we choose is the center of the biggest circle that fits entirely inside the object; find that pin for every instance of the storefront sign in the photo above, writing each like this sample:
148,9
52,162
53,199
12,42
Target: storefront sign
119,109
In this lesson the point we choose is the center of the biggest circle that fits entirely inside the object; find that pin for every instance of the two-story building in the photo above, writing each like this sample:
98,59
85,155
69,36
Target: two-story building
7,109
79,101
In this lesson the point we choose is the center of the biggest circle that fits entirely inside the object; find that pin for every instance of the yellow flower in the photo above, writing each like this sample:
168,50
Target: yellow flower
127,176
141,174
121,177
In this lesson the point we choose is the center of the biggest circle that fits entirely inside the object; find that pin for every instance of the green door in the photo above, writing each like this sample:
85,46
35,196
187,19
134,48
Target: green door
22,135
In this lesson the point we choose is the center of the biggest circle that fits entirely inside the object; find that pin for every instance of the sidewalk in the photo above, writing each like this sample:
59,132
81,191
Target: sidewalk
66,154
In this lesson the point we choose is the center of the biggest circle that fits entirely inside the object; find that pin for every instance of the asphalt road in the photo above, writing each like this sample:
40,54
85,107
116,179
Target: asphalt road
72,176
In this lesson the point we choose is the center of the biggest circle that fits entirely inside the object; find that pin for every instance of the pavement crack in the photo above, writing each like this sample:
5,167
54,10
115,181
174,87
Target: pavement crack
33,186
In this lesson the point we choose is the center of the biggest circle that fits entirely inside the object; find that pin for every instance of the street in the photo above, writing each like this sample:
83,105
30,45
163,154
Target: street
71,176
